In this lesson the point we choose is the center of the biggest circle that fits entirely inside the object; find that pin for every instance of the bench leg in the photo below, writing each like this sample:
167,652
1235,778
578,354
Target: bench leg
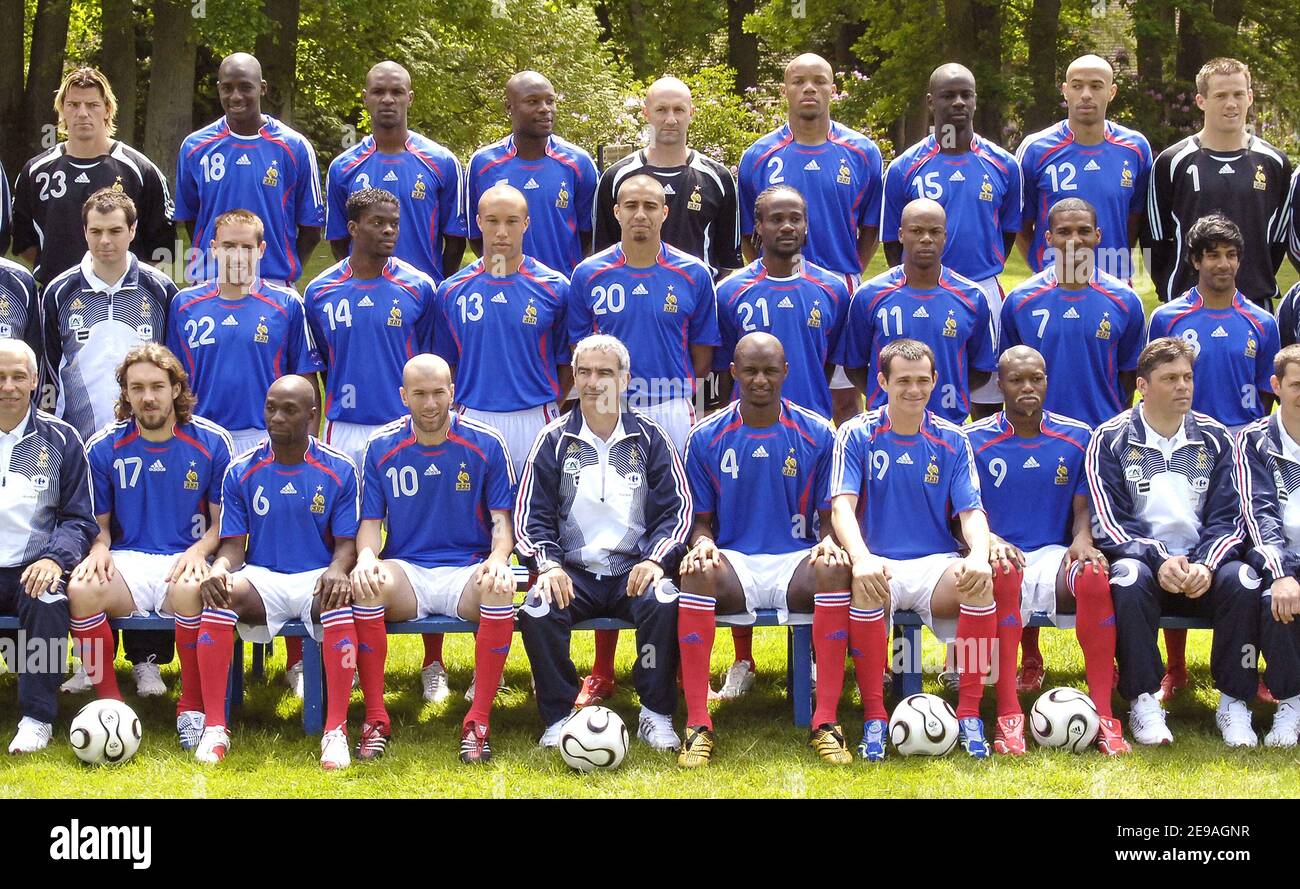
260,654
235,698
800,661
910,678
313,688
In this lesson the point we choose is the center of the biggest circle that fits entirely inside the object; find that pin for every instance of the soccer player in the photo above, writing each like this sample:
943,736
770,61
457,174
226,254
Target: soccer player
503,330
1222,168
1167,513
904,460
6,217
1089,157
20,313
703,213
557,178
157,481
1085,323
251,161
288,542
46,525
1035,494
1288,316
604,509
1270,499
425,177
52,187
1293,243
236,333
759,472
836,169
657,300
978,185
443,487
924,300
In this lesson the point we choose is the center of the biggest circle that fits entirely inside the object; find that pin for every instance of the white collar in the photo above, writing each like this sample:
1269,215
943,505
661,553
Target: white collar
1290,448
17,432
587,435
96,283
1156,440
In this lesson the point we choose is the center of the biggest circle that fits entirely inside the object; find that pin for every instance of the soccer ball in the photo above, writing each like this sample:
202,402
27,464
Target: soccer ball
923,725
1064,717
105,732
593,738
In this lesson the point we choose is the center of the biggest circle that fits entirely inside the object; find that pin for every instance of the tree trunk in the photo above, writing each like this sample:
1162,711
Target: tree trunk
1191,39
169,115
13,144
118,62
1153,30
742,48
1045,93
973,30
45,70
1228,13
277,50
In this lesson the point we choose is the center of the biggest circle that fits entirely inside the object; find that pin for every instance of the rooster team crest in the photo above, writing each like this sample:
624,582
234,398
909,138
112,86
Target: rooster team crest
530,312
261,335
845,175
986,189
562,196
191,478
418,190
791,466
670,301
950,324
633,459
932,472
462,479
117,185
1126,177
43,459
395,316
815,314
1062,472
272,177
318,500
1261,178
1103,329
1202,458
4,305
145,311
1251,347
696,201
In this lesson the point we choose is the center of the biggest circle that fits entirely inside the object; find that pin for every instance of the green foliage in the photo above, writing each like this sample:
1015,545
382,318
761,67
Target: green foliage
658,37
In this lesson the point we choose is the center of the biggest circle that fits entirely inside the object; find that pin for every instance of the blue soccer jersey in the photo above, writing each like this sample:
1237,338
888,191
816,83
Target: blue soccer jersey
291,514
504,336
952,319
1111,176
1029,484
1087,338
366,331
805,311
764,485
840,179
272,174
1234,347
234,350
428,183
20,314
436,500
980,193
158,492
559,189
658,312
909,487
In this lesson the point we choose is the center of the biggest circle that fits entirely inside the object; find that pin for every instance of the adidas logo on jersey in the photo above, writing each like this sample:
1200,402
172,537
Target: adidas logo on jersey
1031,463
531,184
1091,165
288,488
668,189
1219,331
230,321
905,460
812,165
365,302
390,176
920,312
639,290
760,451
785,303
82,179
243,161
432,470
157,466
957,177
1226,168
1071,313
500,298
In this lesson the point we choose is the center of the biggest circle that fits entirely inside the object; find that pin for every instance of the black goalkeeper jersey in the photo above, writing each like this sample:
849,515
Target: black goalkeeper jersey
1249,186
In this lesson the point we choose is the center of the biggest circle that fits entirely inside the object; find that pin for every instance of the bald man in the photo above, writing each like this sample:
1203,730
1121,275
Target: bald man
444,487
288,541
759,472
503,330
978,184
837,170
425,177
703,213
1086,156
247,160
557,177
1035,494
921,299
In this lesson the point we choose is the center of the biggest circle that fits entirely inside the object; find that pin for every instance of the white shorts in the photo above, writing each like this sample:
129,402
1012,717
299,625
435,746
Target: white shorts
350,438
518,428
911,586
1038,591
437,590
766,578
676,415
989,393
145,576
245,440
285,597
839,379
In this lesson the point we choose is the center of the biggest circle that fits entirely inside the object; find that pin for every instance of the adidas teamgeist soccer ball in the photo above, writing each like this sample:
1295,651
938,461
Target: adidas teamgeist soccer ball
593,738
1064,717
923,725
105,732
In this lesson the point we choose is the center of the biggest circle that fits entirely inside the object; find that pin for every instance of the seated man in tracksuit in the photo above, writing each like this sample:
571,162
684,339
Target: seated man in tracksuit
1167,515
604,508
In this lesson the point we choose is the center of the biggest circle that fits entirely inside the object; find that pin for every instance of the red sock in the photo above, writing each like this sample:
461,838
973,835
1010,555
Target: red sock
696,629
97,650
292,651
606,646
1006,596
868,638
496,628
1094,625
1175,651
339,652
215,649
432,649
977,628
372,653
187,648
743,639
1029,644
830,644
